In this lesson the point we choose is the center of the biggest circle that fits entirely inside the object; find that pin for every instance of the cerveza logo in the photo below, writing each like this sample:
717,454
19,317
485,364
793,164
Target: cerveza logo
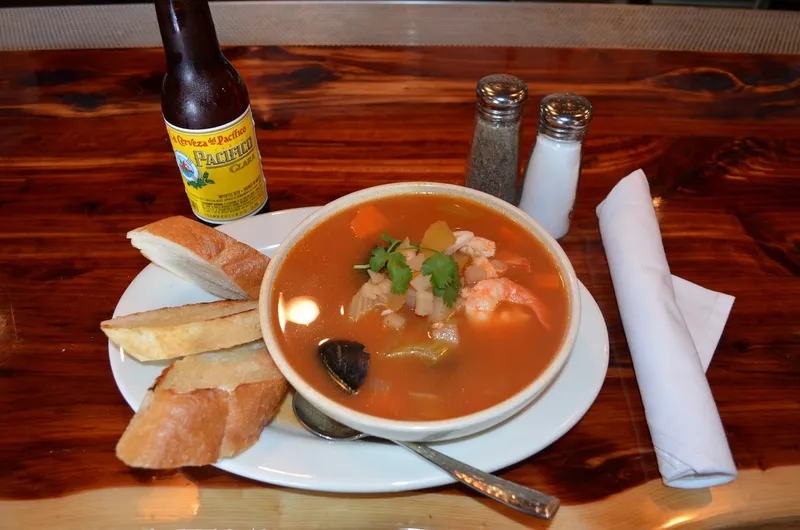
190,172
228,157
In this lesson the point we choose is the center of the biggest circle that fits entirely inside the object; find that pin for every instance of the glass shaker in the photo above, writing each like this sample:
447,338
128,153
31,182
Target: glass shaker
494,156
551,178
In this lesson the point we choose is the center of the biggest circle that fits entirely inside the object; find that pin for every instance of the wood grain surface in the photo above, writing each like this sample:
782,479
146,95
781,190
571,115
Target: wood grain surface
85,158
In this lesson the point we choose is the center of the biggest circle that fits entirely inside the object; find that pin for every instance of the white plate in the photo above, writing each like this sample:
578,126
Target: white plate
287,455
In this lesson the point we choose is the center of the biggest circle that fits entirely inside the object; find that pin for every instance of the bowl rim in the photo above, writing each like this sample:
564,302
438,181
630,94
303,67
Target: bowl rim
368,422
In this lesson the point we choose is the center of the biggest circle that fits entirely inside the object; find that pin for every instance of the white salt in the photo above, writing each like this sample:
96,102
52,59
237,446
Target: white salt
551,181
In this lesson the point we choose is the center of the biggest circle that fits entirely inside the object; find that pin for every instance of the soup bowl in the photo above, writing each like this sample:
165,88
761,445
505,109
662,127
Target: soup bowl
434,430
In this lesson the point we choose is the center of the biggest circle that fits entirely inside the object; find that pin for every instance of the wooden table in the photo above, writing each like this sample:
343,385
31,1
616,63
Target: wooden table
85,158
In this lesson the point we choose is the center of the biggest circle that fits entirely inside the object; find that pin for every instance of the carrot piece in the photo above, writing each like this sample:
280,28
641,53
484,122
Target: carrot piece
368,222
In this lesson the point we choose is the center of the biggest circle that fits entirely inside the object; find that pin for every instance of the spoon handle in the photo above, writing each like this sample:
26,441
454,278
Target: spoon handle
519,497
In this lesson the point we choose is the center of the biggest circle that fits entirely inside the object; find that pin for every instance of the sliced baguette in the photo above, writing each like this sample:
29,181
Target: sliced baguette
203,408
206,257
186,330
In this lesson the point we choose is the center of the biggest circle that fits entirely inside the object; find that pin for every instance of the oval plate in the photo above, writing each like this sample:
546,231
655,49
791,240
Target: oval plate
287,455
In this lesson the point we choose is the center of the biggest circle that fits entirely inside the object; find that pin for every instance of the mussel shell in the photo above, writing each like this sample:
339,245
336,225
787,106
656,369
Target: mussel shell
347,362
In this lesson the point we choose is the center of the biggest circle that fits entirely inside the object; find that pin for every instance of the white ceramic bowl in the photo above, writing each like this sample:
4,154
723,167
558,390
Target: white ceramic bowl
421,430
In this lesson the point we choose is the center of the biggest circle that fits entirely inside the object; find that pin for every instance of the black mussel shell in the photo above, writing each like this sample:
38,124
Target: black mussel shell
347,362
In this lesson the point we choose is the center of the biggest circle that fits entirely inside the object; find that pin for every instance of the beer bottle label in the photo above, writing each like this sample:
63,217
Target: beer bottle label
221,169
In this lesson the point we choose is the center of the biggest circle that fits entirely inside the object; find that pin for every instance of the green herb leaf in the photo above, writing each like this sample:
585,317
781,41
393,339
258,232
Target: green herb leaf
450,293
399,273
389,239
391,258
378,259
393,243
442,269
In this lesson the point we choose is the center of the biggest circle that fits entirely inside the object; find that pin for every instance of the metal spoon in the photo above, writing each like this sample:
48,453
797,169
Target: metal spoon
520,498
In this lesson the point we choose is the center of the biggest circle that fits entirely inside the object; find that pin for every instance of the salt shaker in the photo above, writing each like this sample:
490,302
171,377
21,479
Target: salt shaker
494,156
551,178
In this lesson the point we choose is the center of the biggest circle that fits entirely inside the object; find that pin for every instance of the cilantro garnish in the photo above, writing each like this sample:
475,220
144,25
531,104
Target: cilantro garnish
399,272
443,271
393,243
441,267
450,293
378,259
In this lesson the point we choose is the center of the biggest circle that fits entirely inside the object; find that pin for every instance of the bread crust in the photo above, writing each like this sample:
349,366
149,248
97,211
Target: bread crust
173,430
198,427
250,408
243,264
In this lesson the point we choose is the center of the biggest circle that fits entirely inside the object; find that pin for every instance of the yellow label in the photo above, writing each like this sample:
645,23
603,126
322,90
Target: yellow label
221,169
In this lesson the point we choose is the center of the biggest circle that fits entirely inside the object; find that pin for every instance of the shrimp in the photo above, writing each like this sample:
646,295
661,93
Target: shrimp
486,295
479,247
481,269
486,266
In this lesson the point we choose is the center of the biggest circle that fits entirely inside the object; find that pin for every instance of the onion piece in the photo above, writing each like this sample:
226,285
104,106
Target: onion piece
422,283
411,298
424,305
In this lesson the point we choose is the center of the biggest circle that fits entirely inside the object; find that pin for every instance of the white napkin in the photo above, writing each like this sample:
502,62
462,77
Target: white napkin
673,327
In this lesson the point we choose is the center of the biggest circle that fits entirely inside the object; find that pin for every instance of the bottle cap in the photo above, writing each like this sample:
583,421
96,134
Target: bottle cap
501,96
565,116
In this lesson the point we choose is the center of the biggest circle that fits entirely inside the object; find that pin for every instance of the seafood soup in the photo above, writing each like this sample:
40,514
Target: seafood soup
419,307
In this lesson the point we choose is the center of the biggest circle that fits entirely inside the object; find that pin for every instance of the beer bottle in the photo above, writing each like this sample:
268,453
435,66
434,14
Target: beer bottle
207,113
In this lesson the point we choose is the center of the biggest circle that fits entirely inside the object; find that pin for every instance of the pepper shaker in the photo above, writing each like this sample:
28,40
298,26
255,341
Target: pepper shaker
551,178
494,155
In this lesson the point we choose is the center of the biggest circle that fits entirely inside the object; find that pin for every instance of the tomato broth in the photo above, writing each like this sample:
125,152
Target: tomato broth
494,358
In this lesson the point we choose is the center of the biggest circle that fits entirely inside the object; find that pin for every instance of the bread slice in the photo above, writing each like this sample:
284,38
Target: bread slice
202,255
185,330
203,408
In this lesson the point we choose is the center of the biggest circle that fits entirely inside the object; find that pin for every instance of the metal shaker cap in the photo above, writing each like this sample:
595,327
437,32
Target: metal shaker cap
501,95
565,116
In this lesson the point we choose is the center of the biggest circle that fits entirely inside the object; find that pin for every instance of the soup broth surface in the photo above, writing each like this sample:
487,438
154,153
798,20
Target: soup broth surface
495,357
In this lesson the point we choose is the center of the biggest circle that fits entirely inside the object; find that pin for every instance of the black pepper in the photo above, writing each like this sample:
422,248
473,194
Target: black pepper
493,163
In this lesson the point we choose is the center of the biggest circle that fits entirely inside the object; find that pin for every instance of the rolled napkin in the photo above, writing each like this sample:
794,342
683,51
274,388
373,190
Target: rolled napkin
672,327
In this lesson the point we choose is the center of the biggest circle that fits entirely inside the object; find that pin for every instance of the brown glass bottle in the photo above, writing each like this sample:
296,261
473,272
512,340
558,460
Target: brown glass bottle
207,112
